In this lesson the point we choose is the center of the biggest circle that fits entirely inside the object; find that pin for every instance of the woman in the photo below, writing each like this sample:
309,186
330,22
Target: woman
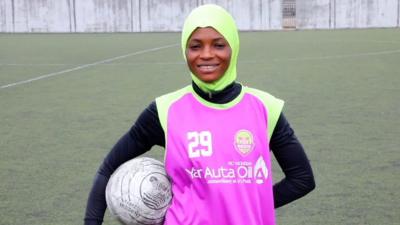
218,136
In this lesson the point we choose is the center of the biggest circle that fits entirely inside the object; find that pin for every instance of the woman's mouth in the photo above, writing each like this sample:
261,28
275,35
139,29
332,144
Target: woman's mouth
207,68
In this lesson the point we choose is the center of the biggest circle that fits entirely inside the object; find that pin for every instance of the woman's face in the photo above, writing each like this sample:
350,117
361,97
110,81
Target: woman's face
208,54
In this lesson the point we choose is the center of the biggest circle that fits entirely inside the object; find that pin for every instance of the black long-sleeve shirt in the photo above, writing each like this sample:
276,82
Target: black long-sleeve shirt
147,132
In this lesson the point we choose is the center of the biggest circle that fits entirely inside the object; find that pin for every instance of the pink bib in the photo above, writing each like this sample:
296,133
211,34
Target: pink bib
218,159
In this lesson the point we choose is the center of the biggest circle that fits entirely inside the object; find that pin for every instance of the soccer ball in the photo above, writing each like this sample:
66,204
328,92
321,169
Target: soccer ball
139,192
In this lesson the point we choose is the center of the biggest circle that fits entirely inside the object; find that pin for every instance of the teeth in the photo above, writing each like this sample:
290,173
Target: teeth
208,67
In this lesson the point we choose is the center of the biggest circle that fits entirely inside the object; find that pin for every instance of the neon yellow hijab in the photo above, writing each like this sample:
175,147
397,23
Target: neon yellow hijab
218,18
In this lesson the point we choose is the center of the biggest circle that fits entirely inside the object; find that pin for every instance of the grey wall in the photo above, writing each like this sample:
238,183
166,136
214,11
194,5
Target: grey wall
104,15
168,15
126,15
6,16
313,14
253,15
347,13
36,16
164,15
367,13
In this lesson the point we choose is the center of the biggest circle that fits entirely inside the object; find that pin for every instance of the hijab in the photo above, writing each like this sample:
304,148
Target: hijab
214,16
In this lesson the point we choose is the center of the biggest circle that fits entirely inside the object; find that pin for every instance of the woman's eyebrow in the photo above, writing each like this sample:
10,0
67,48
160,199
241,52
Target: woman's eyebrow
219,38
214,39
195,39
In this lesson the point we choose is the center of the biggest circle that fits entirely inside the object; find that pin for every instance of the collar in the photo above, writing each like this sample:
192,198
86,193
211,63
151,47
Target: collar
226,95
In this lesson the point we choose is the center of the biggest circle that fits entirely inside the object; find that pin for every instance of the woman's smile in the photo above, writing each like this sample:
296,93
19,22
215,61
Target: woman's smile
208,68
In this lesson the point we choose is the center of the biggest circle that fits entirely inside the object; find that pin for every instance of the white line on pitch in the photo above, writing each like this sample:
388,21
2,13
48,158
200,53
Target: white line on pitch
355,55
85,66
74,64
342,56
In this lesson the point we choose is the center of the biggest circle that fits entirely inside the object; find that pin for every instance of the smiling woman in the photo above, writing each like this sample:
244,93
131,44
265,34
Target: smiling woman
217,135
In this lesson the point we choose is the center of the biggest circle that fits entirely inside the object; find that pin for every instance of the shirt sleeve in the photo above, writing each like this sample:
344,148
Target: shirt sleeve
145,133
291,157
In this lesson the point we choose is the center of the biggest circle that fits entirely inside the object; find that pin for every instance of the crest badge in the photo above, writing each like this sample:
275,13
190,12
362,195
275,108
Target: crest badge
244,142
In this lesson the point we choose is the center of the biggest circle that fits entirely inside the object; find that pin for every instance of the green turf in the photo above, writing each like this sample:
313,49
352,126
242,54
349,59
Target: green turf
341,90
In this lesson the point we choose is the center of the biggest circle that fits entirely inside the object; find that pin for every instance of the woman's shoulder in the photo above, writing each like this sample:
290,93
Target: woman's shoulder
262,95
171,96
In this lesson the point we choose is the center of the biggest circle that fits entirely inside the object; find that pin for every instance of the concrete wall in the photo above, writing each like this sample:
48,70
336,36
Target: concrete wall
105,15
313,14
168,15
6,16
127,15
366,13
347,13
40,15
164,15
253,15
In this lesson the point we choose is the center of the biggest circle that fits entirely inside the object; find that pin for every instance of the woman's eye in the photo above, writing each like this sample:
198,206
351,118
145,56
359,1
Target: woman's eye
194,47
220,46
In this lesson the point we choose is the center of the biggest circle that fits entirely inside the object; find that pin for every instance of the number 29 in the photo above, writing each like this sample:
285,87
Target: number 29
200,144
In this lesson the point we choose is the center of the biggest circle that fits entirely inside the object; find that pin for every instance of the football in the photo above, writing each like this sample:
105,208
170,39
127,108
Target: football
139,192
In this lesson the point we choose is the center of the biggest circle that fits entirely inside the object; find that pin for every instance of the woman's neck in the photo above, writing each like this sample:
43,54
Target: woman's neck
226,95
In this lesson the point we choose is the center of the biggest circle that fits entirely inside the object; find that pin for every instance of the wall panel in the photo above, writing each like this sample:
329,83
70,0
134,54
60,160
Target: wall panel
164,15
253,15
248,15
366,13
313,14
103,16
41,16
6,16
274,13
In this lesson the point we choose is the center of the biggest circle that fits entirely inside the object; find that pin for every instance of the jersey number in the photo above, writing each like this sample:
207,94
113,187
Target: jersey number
200,144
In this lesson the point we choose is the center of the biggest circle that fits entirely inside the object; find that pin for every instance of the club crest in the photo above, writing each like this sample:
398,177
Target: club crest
244,142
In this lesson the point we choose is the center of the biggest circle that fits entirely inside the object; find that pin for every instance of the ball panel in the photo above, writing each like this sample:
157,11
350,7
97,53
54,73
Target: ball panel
153,191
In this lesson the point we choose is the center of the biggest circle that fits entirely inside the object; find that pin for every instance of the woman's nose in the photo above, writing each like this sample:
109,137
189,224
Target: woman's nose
206,53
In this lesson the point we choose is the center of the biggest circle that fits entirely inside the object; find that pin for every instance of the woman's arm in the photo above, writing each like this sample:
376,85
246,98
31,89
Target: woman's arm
145,133
288,151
